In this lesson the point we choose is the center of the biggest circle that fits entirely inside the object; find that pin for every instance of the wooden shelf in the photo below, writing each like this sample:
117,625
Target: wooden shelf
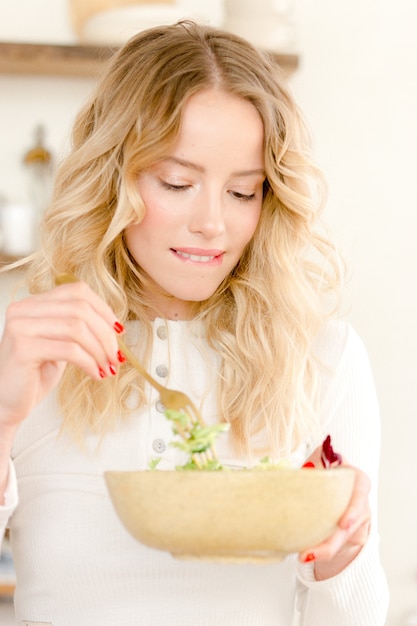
67,60
52,60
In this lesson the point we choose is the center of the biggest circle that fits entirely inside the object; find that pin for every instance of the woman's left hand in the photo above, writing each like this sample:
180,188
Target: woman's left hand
336,552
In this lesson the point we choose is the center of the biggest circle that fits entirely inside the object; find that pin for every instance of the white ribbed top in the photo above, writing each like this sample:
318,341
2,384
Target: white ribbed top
77,565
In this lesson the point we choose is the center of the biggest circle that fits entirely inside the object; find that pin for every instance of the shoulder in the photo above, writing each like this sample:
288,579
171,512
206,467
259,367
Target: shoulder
338,342
344,369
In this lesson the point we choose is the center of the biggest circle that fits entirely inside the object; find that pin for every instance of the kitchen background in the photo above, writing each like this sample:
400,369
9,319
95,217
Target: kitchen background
356,81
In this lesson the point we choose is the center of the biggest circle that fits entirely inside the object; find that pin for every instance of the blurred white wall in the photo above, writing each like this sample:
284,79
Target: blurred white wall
357,84
358,88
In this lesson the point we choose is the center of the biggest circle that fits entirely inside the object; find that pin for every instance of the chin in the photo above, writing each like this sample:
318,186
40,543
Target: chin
203,290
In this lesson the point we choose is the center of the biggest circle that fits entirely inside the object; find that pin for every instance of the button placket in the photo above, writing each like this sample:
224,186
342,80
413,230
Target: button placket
160,407
159,445
162,332
160,432
161,371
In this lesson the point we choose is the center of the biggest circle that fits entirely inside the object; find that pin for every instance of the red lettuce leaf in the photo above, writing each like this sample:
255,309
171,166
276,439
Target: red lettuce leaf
329,457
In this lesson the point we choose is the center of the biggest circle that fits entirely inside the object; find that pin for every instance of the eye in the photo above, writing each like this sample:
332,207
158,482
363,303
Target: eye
172,187
243,197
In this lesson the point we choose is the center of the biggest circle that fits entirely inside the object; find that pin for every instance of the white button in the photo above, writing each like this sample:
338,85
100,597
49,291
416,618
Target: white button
159,406
159,445
162,371
161,331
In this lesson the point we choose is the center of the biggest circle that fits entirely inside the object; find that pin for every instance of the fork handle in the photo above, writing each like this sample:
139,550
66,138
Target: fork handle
133,360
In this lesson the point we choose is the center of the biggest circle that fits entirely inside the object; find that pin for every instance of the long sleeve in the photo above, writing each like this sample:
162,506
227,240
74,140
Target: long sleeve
350,413
10,501
10,495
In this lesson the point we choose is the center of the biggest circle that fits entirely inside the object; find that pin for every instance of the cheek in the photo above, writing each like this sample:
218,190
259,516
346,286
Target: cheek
154,220
155,214
140,235
249,225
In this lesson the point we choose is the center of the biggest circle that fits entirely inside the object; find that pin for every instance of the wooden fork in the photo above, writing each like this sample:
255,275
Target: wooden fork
170,398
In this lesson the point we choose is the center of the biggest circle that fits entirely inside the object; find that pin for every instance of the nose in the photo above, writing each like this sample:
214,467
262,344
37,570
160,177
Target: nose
208,215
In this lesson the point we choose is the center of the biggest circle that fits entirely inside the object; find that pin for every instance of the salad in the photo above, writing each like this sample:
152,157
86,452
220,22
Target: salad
197,441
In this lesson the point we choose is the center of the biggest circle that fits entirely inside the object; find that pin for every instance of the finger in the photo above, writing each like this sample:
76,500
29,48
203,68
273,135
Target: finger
75,292
78,323
352,528
23,355
341,540
58,351
66,318
359,502
80,291
101,320
56,339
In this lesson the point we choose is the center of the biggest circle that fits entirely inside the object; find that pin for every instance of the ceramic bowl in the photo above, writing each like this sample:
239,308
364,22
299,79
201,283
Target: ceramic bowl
231,515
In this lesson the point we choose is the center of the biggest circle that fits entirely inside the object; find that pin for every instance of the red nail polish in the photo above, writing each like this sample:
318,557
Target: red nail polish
112,369
121,357
102,373
308,464
310,557
119,328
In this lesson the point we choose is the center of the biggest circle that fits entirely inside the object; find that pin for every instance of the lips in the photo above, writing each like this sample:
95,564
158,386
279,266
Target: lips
199,256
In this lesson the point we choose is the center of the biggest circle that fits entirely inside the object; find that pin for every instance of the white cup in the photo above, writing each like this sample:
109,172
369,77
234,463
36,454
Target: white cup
17,229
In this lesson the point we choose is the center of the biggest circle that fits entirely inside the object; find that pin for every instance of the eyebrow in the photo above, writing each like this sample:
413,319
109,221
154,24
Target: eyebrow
199,168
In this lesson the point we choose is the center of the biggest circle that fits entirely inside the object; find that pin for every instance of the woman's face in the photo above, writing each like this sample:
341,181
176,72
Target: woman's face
203,201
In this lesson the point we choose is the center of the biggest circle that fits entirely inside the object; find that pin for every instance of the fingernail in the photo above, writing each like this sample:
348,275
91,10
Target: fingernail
310,557
121,357
119,328
112,369
102,373
309,464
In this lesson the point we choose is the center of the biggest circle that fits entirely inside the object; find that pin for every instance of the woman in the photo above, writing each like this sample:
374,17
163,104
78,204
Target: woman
188,209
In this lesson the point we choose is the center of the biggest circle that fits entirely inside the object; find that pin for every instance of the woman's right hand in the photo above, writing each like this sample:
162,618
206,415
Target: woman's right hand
42,333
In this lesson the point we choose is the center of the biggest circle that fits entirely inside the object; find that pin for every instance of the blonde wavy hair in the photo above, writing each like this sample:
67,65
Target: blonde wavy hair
263,318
